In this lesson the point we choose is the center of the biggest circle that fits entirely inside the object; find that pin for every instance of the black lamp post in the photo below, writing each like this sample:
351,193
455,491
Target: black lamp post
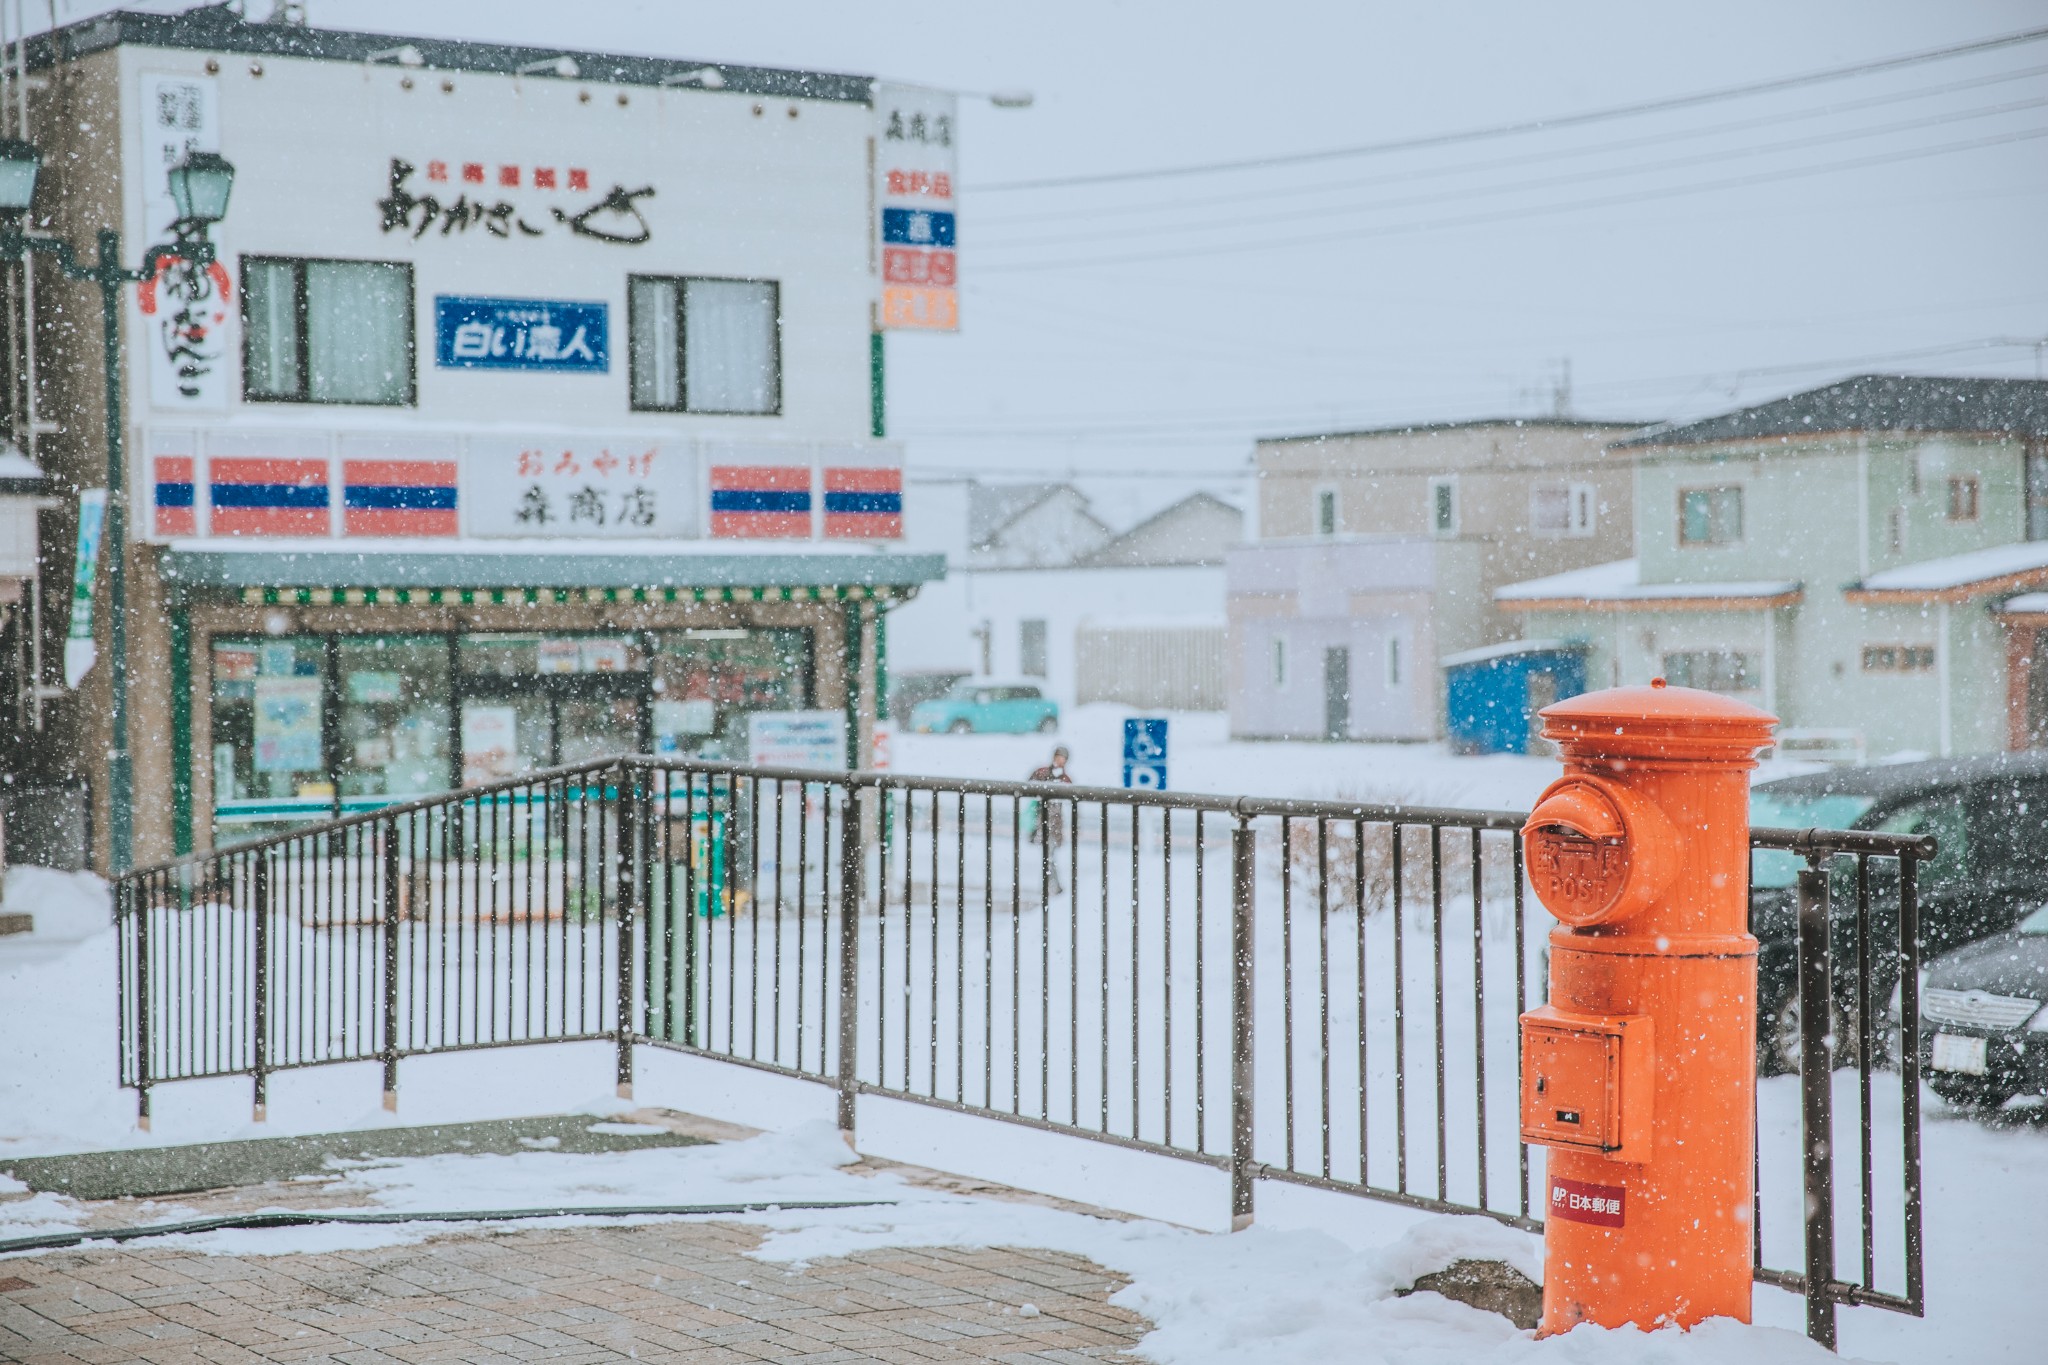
199,187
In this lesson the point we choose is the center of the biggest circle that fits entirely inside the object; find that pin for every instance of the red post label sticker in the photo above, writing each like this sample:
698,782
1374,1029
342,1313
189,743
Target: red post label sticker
1575,1201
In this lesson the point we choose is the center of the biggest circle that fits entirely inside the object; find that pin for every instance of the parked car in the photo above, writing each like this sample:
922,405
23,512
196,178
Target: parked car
987,708
1991,868
911,688
1983,1028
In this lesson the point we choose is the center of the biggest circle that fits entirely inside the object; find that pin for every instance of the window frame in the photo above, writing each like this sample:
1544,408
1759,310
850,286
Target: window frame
1744,664
1741,517
682,405
1444,527
1326,496
300,313
1965,498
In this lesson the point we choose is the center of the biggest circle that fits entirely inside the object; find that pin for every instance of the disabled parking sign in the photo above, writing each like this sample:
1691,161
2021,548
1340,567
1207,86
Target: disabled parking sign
1145,754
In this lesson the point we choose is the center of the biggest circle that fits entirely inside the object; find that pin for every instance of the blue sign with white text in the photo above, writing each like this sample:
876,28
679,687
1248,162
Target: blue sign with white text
520,334
918,227
1145,754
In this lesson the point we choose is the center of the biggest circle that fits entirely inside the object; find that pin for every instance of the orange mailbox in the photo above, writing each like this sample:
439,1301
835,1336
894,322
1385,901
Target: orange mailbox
1640,1074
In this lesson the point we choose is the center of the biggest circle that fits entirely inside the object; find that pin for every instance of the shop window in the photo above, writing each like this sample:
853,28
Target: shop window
1710,516
2036,465
707,681
317,331
536,655
270,730
705,345
392,709
1714,670
1898,658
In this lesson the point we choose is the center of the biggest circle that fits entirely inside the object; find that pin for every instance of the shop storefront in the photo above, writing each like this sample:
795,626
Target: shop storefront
290,704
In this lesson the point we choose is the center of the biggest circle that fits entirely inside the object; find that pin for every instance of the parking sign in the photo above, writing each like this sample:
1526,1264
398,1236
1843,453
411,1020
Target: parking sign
1145,754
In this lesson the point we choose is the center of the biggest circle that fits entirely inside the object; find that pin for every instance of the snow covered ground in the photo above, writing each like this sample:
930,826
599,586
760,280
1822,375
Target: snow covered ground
1313,1280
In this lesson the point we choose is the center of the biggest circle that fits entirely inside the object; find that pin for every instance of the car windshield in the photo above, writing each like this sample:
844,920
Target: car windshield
2035,925
1771,867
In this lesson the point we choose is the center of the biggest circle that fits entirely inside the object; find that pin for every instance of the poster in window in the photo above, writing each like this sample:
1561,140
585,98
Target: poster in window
288,725
490,744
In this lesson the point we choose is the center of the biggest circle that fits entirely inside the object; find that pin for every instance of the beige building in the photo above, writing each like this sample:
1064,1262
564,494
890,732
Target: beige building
1379,553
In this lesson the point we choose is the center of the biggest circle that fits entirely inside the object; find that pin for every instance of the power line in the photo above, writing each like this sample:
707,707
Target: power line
1656,106
1547,182
1437,171
1190,427
1529,211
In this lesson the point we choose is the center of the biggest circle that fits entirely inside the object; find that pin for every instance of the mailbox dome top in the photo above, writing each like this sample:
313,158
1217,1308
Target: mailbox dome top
1658,721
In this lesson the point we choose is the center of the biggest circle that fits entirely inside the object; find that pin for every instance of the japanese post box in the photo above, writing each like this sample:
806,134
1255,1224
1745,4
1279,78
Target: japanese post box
1638,1076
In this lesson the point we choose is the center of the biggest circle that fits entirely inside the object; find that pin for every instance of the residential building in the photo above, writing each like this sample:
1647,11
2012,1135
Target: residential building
1041,587
1862,559
1378,555
524,419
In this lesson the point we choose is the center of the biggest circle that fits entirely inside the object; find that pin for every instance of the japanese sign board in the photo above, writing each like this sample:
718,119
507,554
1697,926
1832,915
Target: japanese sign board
594,489
1145,754
520,334
509,200
184,306
916,172
797,739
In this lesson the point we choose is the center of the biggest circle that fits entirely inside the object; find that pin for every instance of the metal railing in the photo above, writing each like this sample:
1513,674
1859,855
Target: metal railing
1319,993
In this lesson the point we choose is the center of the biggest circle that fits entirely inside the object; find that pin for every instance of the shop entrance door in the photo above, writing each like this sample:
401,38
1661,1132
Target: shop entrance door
513,727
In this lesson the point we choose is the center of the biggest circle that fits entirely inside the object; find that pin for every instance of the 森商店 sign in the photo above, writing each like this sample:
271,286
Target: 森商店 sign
916,171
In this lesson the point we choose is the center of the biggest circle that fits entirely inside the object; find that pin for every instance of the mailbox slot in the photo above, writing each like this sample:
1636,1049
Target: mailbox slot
1587,1081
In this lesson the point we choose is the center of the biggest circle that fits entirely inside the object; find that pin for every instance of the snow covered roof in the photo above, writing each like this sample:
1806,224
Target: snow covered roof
2000,568
1871,403
2027,604
1618,585
1505,650
220,28
18,473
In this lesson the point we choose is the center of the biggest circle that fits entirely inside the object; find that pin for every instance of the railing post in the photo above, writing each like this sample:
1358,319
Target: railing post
849,959
1242,1167
388,841
1816,1108
138,908
259,1027
626,828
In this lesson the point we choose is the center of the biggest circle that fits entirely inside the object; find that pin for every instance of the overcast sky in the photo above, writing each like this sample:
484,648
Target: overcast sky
1681,262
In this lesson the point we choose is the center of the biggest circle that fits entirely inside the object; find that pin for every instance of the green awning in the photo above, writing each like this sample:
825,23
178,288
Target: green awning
270,574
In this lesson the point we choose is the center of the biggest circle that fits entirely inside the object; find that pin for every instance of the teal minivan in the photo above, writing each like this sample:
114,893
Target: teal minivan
987,708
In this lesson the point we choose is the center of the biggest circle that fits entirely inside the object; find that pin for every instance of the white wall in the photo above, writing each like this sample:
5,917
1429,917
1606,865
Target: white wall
778,195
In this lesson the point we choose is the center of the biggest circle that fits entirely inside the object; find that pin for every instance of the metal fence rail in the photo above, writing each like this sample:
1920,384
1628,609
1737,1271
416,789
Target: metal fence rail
1319,993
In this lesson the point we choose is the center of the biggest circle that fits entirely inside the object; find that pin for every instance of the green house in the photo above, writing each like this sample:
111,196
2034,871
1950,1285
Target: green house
1868,560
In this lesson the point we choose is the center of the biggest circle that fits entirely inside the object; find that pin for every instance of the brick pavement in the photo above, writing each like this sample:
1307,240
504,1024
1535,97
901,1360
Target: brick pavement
681,1291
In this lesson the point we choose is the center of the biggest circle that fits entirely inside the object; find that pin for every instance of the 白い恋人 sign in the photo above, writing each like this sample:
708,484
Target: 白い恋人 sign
520,334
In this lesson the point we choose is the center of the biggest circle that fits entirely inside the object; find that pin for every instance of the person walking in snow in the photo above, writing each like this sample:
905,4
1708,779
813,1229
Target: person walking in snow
1048,823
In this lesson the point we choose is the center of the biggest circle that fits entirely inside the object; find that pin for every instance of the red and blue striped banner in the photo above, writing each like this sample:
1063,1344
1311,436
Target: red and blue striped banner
267,497
863,504
177,513
761,501
398,497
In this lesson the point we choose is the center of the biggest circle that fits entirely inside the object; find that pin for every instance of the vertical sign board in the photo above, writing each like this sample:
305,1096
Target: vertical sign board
185,308
79,651
1145,754
916,173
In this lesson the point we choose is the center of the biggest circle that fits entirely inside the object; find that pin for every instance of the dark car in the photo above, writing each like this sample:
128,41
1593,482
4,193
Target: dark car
1992,868
1983,1032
